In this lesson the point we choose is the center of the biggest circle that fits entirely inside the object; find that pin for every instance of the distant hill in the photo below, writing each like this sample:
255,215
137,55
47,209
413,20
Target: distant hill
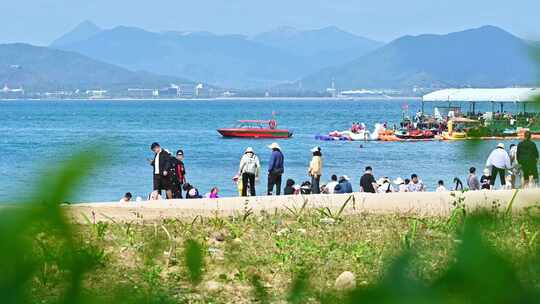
322,47
482,57
81,32
283,55
225,60
45,69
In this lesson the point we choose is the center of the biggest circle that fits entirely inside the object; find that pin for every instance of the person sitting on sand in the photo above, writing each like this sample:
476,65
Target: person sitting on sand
344,185
127,198
214,193
384,185
191,192
440,187
402,187
331,186
416,185
305,188
154,196
485,180
289,187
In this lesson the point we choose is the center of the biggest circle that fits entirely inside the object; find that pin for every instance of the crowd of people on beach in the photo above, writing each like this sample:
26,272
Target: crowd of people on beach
515,168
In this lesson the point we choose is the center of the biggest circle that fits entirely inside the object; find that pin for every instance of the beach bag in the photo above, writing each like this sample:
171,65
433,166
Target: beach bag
278,171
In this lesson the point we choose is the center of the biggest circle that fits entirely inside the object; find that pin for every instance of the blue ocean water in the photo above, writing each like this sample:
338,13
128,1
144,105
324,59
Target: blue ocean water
35,135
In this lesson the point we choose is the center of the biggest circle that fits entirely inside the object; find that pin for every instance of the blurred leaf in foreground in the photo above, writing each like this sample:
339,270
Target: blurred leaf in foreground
22,224
193,257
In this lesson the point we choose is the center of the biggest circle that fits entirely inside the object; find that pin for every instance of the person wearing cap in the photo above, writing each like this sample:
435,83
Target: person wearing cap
179,174
527,157
275,169
367,181
162,166
499,162
315,170
344,186
249,171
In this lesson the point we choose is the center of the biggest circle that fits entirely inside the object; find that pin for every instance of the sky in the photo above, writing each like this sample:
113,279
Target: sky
41,21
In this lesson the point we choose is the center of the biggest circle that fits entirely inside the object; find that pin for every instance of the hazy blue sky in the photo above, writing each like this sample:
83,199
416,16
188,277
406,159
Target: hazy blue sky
41,21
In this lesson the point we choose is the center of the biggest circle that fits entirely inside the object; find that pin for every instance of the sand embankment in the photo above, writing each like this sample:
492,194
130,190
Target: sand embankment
425,204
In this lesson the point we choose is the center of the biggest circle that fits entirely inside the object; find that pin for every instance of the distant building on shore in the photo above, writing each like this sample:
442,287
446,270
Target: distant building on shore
170,92
96,94
143,93
7,93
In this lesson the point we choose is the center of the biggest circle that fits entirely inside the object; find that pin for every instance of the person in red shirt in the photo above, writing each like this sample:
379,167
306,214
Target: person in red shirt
179,178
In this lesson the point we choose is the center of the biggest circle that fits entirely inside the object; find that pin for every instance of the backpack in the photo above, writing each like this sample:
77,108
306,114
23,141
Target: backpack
251,165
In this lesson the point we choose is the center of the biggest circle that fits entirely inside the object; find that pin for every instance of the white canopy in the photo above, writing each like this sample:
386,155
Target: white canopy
483,95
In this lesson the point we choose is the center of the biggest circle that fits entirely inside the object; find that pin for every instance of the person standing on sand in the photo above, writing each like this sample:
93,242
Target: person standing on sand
527,157
515,170
367,181
249,171
162,166
275,169
315,170
472,180
179,177
499,162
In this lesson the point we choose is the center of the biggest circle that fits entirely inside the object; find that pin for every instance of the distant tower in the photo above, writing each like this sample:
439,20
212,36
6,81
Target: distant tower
332,90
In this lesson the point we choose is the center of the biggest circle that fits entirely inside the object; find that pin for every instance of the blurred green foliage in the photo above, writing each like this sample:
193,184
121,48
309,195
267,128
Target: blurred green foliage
37,239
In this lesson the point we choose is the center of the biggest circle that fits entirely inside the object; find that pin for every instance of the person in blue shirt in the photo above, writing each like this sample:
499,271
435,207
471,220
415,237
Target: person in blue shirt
344,186
275,169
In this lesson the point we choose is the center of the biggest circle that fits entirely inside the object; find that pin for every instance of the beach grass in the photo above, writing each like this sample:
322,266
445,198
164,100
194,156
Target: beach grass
260,258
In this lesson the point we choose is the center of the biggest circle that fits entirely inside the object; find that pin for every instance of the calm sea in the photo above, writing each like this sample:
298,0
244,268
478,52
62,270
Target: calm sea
38,134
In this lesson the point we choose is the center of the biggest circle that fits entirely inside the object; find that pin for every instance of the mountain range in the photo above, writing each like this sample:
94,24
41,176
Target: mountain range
483,57
42,69
284,60
225,60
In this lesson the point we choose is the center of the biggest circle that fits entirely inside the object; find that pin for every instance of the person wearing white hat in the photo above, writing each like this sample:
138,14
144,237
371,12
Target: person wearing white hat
315,170
249,170
384,185
499,162
485,179
275,169
401,184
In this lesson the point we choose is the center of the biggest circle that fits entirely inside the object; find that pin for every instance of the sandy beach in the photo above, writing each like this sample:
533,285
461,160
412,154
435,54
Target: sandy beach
423,204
